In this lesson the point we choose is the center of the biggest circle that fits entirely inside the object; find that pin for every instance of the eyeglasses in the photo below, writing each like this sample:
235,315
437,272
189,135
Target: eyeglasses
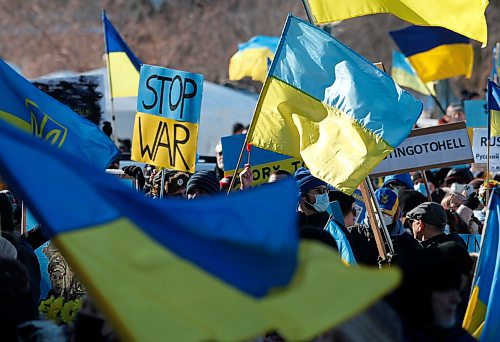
318,191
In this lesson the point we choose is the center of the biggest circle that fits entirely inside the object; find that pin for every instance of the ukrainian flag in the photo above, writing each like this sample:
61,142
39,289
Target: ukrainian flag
123,65
252,58
327,105
403,74
494,108
434,52
462,16
187,270
26,107
483,313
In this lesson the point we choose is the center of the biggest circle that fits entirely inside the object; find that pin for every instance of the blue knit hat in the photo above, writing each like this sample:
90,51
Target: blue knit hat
306,181
401,179
205,180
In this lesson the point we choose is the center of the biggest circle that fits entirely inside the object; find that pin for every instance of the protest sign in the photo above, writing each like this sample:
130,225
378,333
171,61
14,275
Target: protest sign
428,148
360,206
473,242
480,147
168,115
476,114
263,162
83,94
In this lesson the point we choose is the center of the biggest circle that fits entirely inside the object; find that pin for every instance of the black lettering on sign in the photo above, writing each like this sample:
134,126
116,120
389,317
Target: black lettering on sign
266,172
148,107
162,140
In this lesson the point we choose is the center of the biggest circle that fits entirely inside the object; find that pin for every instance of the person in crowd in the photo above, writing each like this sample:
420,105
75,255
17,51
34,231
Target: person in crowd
278,175
460,175
219,162
238,128
409,199
313,199
403,243
428,221
137,173
419,182
430,294
454,113
175,183
107,128
17,304
395,182
201,184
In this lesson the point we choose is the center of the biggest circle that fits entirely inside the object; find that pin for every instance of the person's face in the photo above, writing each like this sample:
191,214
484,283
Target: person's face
444,307
311,194
416,228
350,218
220,160
196,193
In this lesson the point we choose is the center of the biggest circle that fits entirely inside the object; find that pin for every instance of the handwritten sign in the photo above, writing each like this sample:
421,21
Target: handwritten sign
168,116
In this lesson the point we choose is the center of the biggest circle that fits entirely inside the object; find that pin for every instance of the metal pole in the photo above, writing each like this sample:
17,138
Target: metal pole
113,124
162,183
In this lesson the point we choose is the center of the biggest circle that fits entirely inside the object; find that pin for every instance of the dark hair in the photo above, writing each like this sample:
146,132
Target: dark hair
237,127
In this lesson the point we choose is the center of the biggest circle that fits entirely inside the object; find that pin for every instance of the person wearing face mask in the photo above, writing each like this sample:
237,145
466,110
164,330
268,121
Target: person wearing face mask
313,199
404,244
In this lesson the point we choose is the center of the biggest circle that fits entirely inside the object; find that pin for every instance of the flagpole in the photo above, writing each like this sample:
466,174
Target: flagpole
489,141
434,97
113,123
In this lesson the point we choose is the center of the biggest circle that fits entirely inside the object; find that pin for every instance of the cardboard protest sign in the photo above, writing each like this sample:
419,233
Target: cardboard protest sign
168,116
83,94
480,148
473,242
263,162
428,148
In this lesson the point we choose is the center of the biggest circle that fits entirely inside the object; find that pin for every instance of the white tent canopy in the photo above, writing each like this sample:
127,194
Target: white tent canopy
221,108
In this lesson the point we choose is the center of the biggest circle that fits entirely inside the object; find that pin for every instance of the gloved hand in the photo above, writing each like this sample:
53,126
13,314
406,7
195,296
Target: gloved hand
136,172
472,201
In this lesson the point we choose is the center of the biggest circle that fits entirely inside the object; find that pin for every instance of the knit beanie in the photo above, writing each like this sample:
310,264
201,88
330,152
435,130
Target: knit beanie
409,199
204,180
176,181
305,181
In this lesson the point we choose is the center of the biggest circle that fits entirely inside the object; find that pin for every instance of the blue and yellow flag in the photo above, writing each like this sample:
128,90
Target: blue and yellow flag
327,105
462,16
123,65
252,58
343,244
403,74
434,52
495,65
493,103
187,270
483,313
26,107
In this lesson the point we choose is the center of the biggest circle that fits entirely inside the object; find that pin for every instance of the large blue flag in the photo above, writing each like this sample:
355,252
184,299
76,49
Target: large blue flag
219,268
30,109
483,313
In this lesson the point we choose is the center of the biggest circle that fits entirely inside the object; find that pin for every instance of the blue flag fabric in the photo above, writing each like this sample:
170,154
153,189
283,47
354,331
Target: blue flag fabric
343,245
180,268
28,108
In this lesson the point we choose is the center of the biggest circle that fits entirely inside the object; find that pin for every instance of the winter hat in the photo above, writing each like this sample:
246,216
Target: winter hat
305,181
458,175
7,249
430,213
402,179
176,181
388,201
409,199
204,180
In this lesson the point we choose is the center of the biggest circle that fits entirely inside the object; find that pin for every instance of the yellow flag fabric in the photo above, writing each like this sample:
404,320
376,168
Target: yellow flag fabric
462,16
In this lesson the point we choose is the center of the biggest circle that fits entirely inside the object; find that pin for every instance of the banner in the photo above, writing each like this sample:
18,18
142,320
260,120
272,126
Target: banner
428,148
473,242
480,148
168,116
263,162
83,94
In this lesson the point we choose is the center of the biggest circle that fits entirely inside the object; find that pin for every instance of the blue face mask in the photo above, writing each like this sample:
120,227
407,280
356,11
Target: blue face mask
322,203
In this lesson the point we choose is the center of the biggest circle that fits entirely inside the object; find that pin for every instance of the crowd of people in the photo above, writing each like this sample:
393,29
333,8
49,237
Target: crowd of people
424,213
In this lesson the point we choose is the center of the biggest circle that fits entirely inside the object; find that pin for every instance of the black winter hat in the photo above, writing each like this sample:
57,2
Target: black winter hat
409,199
204,180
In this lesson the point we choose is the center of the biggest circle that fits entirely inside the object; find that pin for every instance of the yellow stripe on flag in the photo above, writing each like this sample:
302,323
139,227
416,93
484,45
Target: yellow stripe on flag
132,276
444,61
250,63
15,121
475,314
495,123
124,76
290,122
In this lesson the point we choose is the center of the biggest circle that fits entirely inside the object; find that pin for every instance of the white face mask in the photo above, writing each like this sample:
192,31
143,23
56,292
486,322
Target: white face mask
322,203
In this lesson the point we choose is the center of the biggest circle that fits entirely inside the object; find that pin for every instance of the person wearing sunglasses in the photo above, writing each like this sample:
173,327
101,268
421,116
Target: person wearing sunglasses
313,199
